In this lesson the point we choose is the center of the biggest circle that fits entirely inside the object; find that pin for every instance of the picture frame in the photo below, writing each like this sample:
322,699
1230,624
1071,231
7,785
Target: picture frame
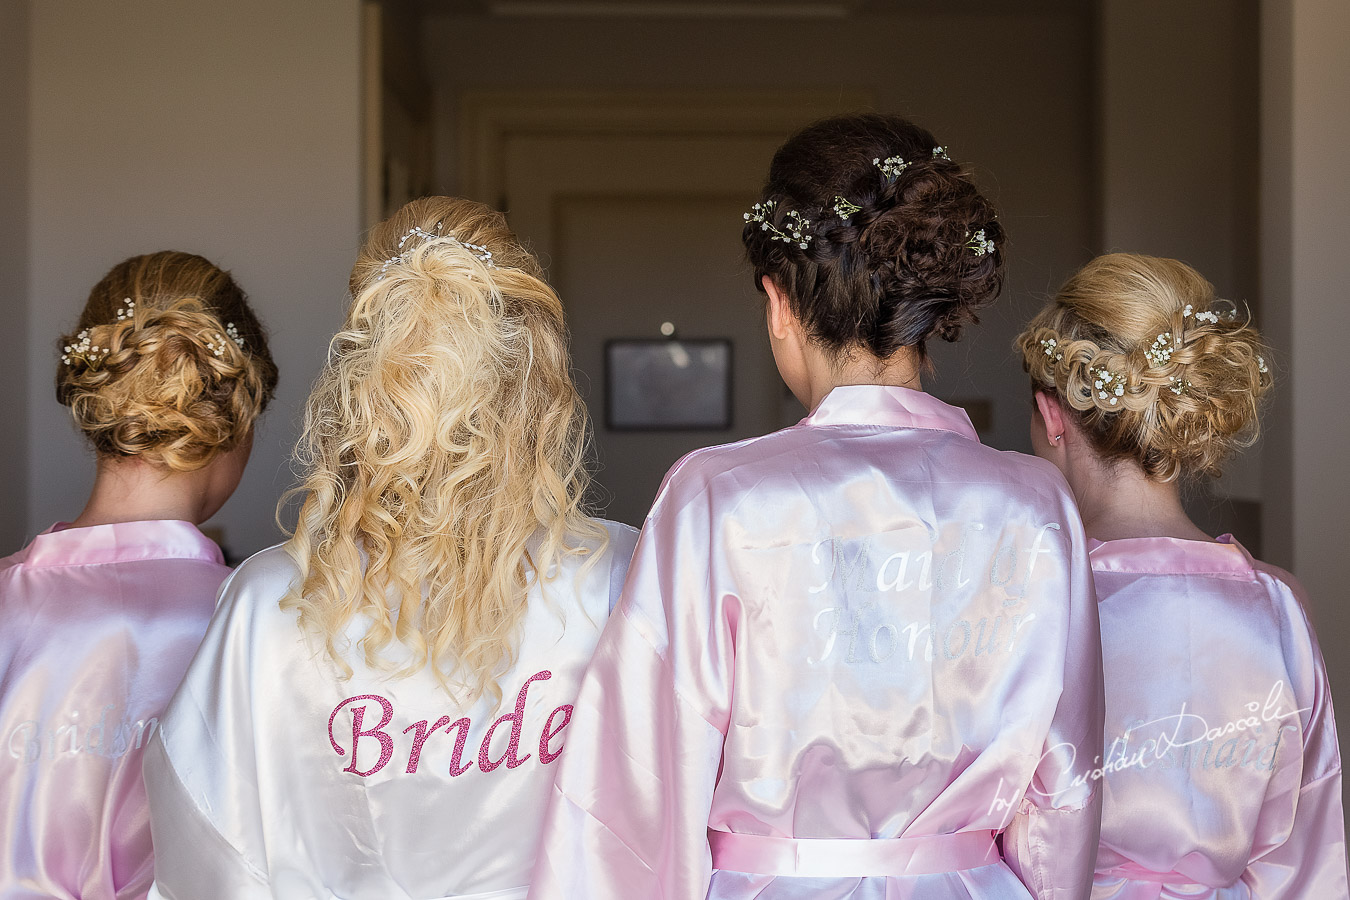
668,384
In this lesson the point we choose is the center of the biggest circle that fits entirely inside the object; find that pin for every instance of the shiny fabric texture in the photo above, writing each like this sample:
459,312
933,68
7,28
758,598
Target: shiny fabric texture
867,625
274,777
1223,777
99,626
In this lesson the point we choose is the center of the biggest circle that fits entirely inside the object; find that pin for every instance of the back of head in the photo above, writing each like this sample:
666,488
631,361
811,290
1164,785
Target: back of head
877,238
444,432
1155,368
168,363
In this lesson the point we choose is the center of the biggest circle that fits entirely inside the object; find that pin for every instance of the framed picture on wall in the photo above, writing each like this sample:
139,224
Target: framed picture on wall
667,385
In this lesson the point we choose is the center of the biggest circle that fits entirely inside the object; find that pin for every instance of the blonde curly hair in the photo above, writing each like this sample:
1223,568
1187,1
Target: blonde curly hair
1132,347
157,378
443,451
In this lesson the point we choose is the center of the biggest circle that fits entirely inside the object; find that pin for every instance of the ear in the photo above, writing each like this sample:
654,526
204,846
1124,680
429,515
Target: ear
1052,418
782,322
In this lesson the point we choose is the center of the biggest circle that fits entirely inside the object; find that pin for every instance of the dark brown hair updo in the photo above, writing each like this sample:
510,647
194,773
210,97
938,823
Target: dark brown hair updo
168,362
1152,371
903,266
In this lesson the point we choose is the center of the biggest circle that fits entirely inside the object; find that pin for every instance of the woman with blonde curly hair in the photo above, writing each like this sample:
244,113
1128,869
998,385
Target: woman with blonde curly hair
379,704
165,375
1222,775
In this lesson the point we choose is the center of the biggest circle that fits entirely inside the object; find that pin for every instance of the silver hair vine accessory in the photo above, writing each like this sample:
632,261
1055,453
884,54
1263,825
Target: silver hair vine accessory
941,152
797,226
1051,348
481,253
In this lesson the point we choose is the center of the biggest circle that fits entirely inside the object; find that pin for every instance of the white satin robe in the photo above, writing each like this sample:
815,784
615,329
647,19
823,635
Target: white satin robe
1222,776
99,624
274,777
865,626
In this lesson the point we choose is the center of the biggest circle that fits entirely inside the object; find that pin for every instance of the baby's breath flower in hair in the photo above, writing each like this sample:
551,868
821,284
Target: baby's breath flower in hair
844,207
1110,386
794,231
978,243
1160,354
891,167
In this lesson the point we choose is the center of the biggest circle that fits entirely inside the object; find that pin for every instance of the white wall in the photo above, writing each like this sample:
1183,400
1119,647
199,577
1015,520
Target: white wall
233,132
13,271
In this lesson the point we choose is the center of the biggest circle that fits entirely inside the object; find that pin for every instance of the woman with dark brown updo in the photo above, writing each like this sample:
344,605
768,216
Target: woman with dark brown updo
1222,777
852,654
165,375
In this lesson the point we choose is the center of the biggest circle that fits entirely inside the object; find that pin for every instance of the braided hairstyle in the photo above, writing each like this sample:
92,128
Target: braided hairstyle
168,362
904,264
1133,348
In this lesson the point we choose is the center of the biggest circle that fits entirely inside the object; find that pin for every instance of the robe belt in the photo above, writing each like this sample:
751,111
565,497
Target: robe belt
1130,871
758,854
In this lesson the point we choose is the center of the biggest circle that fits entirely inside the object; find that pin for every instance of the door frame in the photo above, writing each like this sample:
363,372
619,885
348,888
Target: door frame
489,119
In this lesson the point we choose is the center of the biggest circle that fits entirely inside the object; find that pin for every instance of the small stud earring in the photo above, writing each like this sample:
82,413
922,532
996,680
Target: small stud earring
1056,438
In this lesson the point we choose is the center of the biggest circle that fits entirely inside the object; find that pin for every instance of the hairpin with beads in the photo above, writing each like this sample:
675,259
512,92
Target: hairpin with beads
417,233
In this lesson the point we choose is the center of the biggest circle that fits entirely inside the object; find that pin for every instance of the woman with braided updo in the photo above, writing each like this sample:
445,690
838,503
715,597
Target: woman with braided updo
853,658
1221,775
165,375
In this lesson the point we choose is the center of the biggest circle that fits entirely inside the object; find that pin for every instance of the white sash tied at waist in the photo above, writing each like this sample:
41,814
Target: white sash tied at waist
758,854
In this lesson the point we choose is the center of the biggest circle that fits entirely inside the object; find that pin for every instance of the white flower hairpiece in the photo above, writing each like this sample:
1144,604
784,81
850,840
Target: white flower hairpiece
1179,386
1110,386
481,253
979,243
1160,354
127,312
844,207
941,151
891,167
1210,317
83,350
1051,348
796,225
1261,365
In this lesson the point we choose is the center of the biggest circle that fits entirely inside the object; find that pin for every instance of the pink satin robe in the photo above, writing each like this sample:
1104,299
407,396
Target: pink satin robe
99,626
273,777
865,626
1223,777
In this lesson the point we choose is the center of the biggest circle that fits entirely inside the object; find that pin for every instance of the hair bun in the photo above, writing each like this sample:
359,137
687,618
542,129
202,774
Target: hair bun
1132,344
166,380
902,246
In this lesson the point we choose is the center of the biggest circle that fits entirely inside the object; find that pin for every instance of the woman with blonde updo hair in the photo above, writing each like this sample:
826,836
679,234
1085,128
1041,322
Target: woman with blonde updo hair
165,375
379,705
1222,775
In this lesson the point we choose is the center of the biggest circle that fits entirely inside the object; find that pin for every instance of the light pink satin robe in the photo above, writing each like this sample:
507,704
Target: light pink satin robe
866,626
273,777
99,624
1223,775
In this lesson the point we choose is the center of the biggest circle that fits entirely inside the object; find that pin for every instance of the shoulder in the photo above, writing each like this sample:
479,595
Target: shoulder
622,540
257,585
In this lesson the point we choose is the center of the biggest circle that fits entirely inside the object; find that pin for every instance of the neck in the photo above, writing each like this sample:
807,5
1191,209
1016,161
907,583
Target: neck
127,489
901,369
1119,501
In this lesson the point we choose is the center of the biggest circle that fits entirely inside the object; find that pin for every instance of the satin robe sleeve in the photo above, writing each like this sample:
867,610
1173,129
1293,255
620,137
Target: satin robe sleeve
1051,843
629,813
1308,858
201,777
